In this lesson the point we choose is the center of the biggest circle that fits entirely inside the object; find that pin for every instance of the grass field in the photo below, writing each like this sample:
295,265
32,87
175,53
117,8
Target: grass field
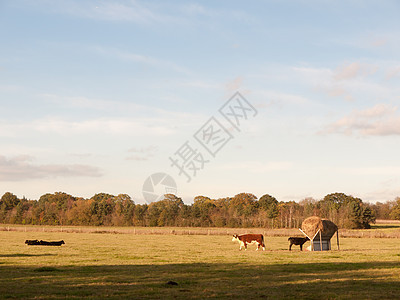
121,266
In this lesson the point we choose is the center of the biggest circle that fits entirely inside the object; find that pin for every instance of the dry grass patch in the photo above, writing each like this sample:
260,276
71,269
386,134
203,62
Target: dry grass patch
139,266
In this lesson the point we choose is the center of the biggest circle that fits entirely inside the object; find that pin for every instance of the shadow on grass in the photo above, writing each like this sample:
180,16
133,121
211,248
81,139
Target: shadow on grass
372,280
385,226
25,255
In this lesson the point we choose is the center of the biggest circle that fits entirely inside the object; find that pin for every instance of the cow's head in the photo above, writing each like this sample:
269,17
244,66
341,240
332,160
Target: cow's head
62,242
235,237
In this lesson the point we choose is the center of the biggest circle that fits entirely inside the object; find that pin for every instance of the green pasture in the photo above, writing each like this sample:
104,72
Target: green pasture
123,266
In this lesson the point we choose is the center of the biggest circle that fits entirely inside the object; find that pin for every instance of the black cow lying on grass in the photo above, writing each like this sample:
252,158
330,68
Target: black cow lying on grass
57,243
44,243
32,242
297,241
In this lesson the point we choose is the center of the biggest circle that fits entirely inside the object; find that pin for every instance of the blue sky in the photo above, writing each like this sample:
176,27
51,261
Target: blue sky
95,96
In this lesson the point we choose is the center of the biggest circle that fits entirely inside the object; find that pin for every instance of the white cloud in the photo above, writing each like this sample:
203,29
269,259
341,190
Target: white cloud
120,126
117,11
93,103
81,155
313,75
140,58
392,72
277,97
351,81
355,69
130,11
143,13
346,72
9,88
110,126
196,9
379,120
387,190
142,154
21,168
136,112
372,170
202,84
234,85
259,167
379,42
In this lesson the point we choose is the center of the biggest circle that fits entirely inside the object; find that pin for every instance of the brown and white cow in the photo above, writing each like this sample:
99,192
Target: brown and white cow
245,239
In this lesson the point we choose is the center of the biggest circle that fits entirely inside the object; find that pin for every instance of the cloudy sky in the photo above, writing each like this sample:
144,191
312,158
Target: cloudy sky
96,96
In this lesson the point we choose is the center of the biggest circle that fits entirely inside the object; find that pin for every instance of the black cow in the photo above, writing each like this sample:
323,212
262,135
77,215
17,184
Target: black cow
44,243
297,241
32,242
56,243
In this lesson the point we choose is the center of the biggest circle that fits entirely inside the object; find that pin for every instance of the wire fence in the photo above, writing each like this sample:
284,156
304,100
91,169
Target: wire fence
384,232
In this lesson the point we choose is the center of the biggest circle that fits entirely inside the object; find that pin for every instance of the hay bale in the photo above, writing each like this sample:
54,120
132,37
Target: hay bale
311,226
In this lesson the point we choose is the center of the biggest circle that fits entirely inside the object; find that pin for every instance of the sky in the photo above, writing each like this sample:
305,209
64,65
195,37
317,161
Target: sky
294,99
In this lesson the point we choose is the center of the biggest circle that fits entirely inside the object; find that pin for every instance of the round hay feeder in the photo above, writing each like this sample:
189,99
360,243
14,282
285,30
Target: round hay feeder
319,231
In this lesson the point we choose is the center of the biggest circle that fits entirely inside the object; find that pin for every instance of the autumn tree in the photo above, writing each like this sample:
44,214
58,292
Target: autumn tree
203,208
101,208
368,217
269,205
290,214
123,210
9,201
243,207
53,208
166,211
242,210
80,212
383,209
139,215
330,205
244,204
310,207
395,212
346,211
222,216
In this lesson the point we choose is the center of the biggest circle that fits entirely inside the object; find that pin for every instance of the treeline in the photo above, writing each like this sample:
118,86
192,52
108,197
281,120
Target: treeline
242,210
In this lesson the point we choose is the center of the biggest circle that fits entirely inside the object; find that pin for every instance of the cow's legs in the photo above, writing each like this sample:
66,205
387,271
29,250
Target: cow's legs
241,245
290,247
301,247
259,246
263,246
